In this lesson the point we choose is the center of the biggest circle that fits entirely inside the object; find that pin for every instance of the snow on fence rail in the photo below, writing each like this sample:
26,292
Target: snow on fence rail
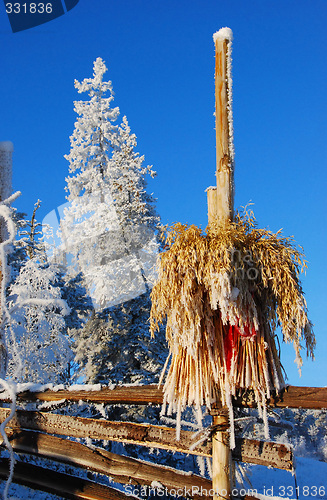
30,432
293,396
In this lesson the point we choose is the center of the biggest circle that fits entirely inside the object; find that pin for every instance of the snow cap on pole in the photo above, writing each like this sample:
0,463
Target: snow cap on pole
223,34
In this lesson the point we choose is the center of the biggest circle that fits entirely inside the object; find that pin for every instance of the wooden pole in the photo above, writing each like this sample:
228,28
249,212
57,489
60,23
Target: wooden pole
223,211
221,455
212,204
220,211
58,483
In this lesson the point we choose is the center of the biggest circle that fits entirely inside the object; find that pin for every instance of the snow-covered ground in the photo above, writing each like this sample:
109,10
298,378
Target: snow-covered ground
309,481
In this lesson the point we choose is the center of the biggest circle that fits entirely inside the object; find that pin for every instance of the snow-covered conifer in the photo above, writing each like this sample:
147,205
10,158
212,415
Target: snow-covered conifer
108,227
115,346
38,350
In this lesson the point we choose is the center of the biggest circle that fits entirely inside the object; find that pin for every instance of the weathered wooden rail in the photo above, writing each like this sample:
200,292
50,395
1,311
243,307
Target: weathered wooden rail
152,436
58,483
122,469
293,396
32,432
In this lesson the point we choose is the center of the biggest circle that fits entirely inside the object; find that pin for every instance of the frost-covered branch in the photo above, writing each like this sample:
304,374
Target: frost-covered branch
5,247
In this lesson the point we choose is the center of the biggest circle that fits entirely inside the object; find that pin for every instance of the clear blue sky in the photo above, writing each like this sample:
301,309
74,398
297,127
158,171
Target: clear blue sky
160,56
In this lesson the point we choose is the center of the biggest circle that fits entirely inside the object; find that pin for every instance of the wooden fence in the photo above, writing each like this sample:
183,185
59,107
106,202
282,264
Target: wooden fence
44,434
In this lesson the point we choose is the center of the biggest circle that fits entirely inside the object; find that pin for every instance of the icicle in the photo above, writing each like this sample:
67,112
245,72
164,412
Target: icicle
229,404
164,370
178,422
265,420
209,466
201,464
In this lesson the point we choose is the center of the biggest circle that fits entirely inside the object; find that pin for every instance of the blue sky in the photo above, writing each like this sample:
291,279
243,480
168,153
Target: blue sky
160,57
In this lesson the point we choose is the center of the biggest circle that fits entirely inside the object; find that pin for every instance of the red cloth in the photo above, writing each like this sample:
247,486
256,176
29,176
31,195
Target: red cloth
231,337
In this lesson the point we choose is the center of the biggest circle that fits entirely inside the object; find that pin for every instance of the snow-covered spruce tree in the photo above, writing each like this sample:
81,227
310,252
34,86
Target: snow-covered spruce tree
109,228
115,346
38,349
27,241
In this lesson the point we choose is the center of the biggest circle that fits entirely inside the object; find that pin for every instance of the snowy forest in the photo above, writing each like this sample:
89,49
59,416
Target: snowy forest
76,313
80,298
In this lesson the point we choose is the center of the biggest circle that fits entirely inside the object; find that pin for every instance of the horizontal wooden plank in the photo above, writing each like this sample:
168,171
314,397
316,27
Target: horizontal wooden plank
247,450
123,469
65,485
293,397
314,398
152,436
138,394
58,483
270,454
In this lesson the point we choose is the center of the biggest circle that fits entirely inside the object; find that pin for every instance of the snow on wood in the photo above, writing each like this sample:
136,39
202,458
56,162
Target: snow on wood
85,387
292,397
276,455
143,394
58,483
223,34
153,436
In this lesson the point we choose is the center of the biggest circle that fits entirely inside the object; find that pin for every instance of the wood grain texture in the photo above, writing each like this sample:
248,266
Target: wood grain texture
224,173
141,394
153,436
293,397
123,469
58,483
302,397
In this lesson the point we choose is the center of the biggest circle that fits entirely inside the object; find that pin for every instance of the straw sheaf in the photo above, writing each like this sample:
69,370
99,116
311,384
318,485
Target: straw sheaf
231,275
261,267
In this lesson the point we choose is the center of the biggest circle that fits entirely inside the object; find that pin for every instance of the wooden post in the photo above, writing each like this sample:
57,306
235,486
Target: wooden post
212,204
220,210
224,130
221,455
